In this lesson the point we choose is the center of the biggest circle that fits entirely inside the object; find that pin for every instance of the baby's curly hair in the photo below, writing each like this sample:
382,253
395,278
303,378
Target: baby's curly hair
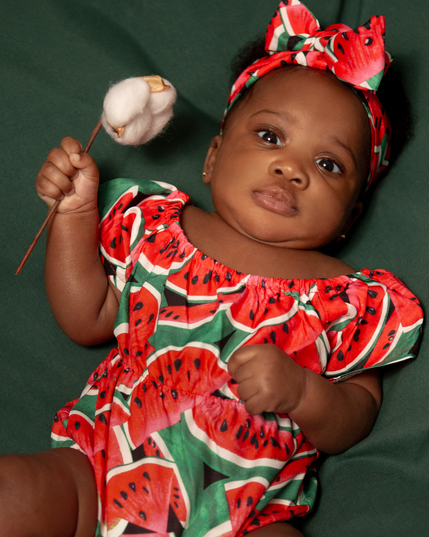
391,94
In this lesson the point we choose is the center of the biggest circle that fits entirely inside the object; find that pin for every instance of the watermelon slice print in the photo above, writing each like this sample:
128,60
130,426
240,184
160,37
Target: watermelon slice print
148,494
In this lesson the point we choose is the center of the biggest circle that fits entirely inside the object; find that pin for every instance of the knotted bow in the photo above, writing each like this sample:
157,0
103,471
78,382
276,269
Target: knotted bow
356,57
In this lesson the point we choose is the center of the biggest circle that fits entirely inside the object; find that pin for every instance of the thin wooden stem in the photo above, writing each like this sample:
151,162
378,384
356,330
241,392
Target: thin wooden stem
53,209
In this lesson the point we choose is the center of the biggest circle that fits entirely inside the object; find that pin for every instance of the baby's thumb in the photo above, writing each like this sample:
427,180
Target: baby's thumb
85,164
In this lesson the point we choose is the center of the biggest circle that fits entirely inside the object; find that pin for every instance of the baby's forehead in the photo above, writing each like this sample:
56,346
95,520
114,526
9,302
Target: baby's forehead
296,89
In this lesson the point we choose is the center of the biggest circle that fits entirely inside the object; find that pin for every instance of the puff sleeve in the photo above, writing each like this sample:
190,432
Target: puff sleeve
380,323
128,212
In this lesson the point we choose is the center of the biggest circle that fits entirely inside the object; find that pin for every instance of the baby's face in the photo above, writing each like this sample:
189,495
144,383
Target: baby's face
292,160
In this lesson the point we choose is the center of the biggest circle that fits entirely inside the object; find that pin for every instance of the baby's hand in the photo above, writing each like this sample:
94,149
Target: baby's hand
269,380
69,175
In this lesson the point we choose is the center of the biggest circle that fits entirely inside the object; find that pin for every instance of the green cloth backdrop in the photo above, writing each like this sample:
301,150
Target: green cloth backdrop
58,58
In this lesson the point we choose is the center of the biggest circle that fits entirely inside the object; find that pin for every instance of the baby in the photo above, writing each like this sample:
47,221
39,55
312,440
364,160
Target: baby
243,350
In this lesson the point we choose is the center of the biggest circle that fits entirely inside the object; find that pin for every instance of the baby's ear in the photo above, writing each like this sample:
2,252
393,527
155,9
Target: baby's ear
211,158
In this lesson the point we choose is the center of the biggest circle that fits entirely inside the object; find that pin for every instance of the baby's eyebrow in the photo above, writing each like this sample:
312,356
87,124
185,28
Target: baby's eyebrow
347,148
282,115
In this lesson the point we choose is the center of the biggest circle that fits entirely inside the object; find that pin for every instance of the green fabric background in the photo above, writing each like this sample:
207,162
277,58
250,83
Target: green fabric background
58,58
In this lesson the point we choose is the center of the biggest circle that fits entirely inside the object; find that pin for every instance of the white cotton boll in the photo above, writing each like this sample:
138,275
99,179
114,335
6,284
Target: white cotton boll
135,129
160,101
157,124
126,100
136,109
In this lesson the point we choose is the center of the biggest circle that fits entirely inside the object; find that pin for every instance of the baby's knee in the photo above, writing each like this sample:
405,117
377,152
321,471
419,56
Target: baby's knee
48,494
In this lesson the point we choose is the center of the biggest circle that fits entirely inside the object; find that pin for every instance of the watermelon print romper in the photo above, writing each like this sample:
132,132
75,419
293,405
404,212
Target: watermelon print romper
173,449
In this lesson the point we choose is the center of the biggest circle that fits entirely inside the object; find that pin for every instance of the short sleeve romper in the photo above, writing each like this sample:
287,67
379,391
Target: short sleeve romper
171,444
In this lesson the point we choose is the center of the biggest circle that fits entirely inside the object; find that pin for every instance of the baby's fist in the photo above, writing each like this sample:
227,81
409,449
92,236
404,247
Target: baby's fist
268,379
68,175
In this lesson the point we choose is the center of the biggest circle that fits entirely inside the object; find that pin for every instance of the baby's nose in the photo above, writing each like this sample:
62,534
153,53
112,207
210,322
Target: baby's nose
291,169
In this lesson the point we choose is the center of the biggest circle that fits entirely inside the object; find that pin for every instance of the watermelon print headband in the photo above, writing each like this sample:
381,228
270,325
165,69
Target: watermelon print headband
356,57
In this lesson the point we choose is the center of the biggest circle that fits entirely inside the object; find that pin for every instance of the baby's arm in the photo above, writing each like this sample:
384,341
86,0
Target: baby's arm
333,417
83,302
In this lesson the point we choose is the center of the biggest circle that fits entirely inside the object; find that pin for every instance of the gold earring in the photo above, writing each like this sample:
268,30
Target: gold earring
204,174
343,236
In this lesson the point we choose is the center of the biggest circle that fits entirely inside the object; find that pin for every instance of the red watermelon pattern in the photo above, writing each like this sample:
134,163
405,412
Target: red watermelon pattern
173,449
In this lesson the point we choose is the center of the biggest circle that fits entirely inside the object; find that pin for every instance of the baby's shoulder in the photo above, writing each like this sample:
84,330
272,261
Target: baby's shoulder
326,266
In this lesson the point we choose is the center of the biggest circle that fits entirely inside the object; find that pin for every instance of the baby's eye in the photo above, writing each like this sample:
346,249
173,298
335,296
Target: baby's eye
269,137
328,165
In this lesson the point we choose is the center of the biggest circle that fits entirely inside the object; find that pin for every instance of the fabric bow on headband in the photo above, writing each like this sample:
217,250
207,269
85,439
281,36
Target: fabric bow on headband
356,57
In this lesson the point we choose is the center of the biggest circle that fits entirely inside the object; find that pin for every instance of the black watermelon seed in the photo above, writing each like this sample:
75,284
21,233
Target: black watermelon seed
251,315
151,316
340,356
113,243
356,335
285,328
369,41
161,379
238,503
155,385
271,300
142,515
103,394
144,388
194,280
197,363
262,434
126,351
132,486
174,394
248,423
391,333
117,503
186,275
240,430
386,346
177,364
103,453
253,439
287,449
138,322
372,294
139,353
249,501
169,314
124,494
138,402
77,425
370,310
138,306
224,426
273,337
273,442
145,489
245,436
146,475
340,48
160,208
102,418
157,453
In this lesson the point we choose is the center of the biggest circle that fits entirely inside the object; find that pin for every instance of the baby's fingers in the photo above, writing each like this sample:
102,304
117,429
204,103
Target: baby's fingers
52,184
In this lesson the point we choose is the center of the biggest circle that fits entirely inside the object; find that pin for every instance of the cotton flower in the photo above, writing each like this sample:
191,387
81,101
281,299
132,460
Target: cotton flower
137,109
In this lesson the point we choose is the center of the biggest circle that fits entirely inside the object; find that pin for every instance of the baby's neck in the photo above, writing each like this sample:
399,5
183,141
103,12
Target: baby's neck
215,238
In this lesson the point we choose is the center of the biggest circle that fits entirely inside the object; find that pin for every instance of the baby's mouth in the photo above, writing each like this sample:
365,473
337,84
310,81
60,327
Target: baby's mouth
277,200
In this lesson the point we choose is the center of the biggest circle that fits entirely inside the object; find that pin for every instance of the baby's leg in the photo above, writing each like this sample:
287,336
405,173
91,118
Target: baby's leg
277,530
47,494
